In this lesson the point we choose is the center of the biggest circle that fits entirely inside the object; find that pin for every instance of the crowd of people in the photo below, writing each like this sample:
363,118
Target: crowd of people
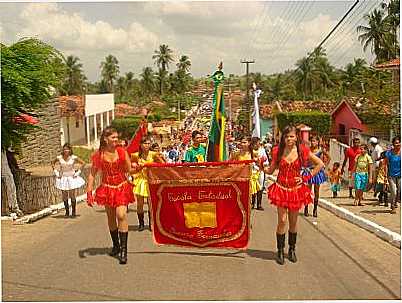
302,168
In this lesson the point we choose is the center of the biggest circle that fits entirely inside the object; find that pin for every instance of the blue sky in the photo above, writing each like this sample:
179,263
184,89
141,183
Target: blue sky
274,33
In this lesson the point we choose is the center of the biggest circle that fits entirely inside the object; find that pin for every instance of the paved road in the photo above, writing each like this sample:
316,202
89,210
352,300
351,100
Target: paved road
57,259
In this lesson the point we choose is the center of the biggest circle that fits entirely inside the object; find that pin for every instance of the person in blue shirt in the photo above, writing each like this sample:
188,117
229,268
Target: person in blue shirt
393,161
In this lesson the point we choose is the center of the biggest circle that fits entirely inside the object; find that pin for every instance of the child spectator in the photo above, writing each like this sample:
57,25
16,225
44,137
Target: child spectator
335,177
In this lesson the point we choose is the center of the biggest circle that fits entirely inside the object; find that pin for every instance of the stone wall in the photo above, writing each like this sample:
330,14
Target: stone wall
43,144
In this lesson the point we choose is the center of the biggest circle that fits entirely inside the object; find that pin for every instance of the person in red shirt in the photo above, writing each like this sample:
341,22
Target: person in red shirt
350,155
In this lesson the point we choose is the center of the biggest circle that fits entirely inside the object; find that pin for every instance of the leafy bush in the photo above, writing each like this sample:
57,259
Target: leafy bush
126,126
318,121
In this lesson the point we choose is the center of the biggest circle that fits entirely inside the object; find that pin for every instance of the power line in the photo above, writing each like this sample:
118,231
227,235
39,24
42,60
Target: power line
249,124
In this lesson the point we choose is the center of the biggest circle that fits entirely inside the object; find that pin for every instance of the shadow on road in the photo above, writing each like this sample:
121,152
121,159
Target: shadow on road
93,251
66,218
201,254
261,254
376,211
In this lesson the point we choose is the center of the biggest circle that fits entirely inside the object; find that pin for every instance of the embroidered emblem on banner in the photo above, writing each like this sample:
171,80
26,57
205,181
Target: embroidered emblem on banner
200,214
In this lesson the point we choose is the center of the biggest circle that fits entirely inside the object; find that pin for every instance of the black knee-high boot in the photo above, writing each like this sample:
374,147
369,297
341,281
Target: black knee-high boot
253,198
116,243
306,211
67,208
141,225
73,207
315,208
280,244
123,247
292,247
259,200
149,220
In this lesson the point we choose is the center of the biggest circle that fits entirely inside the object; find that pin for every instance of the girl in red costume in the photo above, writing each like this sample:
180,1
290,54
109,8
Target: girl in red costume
290,192
115,193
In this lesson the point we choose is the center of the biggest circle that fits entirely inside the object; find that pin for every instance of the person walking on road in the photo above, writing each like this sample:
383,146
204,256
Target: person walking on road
290,192
350,155
318,179
382,184
262,159
362,174
375,154
246,153
393,161
141,191
115,192
68,179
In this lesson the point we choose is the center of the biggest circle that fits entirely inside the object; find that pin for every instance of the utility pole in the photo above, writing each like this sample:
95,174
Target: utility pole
248,107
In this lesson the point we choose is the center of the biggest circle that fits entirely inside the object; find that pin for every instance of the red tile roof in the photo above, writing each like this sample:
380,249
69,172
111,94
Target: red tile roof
72,106
123,109
394,63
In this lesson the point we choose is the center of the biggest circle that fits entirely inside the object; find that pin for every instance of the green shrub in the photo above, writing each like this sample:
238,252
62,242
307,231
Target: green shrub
126,126
318,121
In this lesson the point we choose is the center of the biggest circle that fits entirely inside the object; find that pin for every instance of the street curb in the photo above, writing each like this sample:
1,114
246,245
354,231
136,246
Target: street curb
42,213
380,231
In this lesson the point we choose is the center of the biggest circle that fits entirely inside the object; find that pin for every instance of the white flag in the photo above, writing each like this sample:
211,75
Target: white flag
256,113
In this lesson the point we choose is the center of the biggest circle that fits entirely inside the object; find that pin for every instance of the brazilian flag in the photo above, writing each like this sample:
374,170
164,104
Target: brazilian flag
216,150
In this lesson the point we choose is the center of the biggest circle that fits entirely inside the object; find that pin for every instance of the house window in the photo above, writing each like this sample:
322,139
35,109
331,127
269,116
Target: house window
77,123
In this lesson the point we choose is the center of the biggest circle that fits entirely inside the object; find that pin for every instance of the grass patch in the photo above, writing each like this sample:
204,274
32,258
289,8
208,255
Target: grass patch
83,153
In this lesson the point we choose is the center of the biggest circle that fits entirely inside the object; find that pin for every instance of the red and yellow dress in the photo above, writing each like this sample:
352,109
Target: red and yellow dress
114,190
285,192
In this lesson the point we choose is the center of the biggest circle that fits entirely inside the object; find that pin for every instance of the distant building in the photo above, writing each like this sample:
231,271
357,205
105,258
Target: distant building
83,118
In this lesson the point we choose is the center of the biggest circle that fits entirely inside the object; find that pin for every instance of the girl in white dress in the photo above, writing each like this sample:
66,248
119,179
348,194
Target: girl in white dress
67,178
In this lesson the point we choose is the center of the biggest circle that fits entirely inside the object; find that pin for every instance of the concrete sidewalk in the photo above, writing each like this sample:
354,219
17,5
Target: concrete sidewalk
371,210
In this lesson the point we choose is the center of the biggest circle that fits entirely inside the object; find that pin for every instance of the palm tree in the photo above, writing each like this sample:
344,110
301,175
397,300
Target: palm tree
120,87
305,75
392,21
147,81
110,71
74,76
162,58
374,35
184,64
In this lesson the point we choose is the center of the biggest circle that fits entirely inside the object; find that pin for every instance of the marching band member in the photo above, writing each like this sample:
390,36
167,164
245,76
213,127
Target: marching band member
290,192
115,193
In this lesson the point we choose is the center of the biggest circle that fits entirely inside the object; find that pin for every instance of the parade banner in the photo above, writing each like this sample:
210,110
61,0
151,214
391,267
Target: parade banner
200,206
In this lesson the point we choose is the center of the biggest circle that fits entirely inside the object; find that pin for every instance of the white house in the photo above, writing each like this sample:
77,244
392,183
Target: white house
80,115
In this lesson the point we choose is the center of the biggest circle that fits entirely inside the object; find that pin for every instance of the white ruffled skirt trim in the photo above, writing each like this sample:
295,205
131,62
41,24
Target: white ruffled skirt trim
69,183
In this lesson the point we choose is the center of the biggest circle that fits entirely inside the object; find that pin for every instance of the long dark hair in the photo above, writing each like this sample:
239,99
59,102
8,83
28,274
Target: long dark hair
67,145
106,133
144,139
288,129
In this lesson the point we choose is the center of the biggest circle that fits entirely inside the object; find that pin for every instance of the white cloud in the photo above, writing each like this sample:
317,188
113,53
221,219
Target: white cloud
47,21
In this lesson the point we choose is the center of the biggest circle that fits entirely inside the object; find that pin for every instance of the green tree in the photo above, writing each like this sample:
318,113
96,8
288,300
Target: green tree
374,35
147,81
184,64
75,78
163,56
29,69
305,76
110,71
